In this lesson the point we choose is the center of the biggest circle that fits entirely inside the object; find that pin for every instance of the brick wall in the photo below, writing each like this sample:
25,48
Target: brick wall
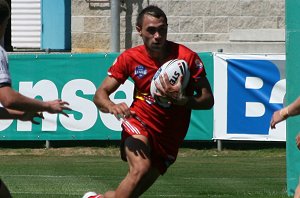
239,26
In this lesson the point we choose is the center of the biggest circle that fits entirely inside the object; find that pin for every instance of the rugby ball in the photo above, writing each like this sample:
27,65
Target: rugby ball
174,69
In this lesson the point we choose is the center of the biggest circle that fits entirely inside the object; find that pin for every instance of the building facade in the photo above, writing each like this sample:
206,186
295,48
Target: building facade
232,26
237,26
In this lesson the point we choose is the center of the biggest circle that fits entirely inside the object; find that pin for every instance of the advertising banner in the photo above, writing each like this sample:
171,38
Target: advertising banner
75,78
71,77
248,89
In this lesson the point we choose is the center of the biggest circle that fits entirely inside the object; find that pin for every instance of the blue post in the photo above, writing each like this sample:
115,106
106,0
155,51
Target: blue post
56,24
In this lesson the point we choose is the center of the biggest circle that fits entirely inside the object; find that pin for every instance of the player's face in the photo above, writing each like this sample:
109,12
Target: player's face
153,32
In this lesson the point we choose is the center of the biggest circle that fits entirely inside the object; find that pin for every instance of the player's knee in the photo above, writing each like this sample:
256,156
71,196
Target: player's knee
140,169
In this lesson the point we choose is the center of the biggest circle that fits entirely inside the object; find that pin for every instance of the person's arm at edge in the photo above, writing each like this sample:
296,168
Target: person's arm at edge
293,109
10,114
282,114
13,100
20,115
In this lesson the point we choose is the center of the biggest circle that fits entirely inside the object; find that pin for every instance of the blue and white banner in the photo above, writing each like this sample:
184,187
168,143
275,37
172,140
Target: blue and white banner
248,89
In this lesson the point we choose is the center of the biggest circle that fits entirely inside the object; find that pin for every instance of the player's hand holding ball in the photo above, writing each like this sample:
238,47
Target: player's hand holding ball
168,92
169,82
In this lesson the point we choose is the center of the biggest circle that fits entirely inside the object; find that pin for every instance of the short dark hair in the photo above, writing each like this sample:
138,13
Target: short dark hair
4,10
153,11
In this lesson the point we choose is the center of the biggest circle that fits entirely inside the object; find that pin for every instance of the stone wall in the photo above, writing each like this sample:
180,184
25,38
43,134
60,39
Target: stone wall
238,26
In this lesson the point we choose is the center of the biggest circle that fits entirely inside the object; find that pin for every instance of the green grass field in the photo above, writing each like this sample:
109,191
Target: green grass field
203,173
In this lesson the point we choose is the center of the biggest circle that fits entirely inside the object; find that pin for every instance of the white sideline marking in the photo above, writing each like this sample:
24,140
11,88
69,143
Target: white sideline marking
52,176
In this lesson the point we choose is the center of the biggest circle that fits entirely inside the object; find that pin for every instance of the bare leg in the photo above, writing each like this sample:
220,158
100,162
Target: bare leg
140,175
147,181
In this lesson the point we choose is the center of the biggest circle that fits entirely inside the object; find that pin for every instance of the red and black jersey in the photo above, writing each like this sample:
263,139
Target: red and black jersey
171,124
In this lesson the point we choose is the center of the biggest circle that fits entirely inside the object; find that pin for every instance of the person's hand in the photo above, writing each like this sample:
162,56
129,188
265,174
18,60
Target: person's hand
279,116
173,93
120,110
58,106
276,118
29,116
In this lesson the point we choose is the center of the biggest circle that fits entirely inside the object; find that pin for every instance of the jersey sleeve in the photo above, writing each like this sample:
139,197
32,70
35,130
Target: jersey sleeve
119,69
4,72
196,67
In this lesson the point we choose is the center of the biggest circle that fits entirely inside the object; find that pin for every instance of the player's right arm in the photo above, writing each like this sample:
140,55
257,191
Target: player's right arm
103,102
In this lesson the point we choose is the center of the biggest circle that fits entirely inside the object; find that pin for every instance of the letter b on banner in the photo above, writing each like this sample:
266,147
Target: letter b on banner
250,87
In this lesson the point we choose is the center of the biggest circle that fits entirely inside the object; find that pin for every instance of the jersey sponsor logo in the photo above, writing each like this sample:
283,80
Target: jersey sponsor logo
199,64
140,71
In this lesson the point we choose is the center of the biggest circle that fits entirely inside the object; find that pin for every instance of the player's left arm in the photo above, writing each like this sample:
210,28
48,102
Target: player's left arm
203,97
